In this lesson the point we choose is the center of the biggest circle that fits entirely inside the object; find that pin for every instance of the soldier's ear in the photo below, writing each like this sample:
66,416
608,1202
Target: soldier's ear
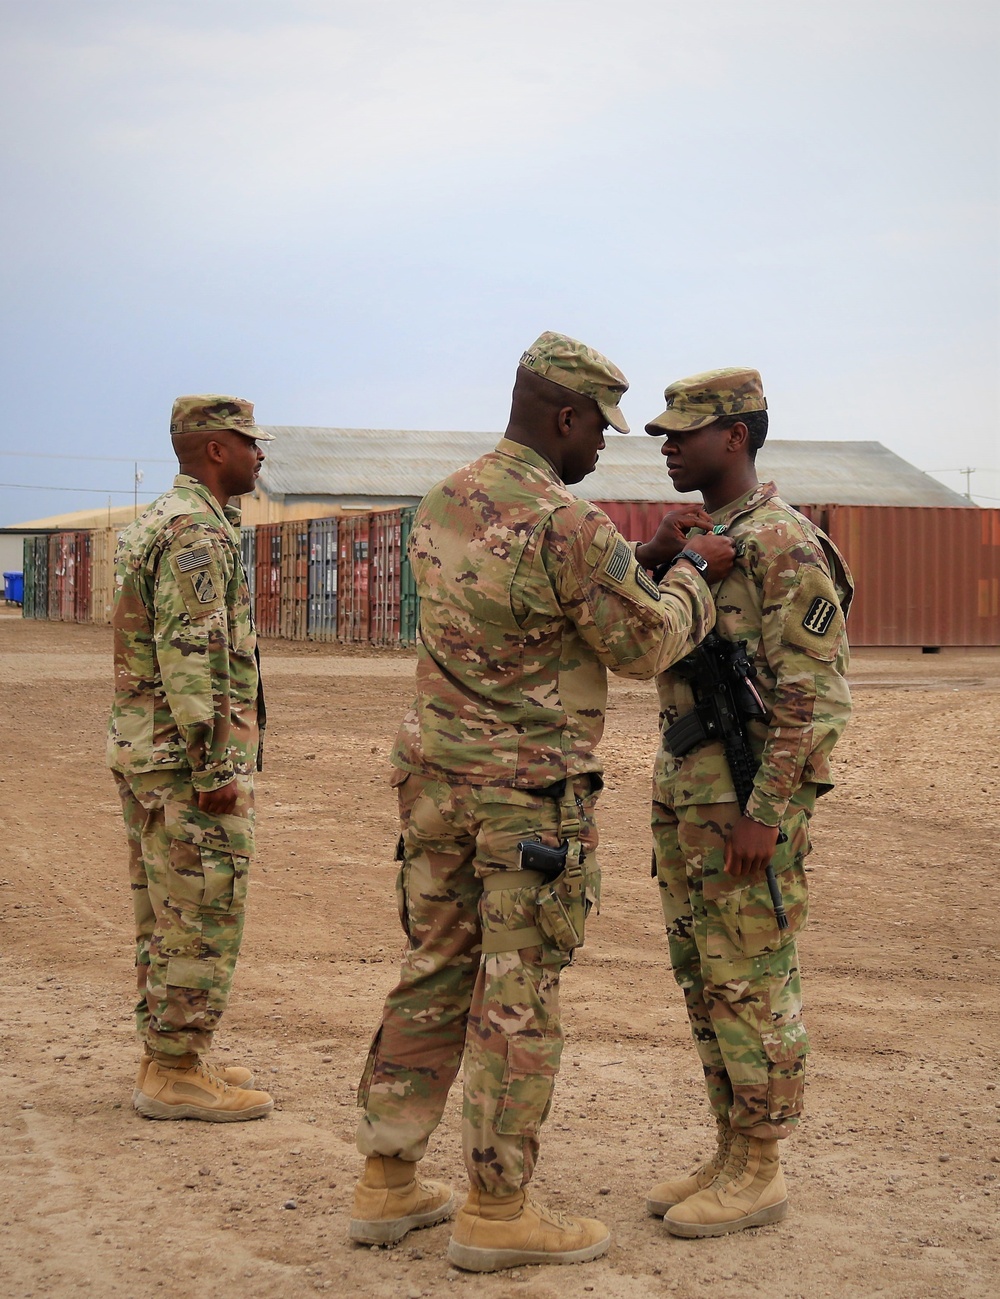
215,452
738,437
565,418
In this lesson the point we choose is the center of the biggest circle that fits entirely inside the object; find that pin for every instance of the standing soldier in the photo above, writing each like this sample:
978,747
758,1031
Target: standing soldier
183,744
787,598
528,597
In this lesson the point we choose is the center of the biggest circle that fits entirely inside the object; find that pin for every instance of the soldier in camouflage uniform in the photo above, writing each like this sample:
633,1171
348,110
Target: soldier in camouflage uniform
183,744
528,597
787,597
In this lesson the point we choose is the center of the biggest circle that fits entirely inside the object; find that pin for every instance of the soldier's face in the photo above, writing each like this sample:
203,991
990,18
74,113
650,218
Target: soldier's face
585,441
243,461
696,457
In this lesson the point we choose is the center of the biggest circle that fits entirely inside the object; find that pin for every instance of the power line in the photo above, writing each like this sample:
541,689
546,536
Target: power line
99,491
54,455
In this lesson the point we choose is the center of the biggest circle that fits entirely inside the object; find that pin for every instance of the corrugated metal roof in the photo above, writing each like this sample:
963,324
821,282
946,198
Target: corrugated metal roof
404,463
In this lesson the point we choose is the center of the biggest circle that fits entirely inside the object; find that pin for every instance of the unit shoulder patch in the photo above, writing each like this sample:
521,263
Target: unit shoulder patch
813,619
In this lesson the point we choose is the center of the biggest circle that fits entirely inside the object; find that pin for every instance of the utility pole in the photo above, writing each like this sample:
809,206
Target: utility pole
135,488
968,476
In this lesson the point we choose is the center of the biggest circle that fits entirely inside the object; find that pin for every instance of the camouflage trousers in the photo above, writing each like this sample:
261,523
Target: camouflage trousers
188,873
739,973
500,1010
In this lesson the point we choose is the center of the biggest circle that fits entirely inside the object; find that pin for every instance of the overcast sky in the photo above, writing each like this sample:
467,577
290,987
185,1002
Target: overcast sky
359,214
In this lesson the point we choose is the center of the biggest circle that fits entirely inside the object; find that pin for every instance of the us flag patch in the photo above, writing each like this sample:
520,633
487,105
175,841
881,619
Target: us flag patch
190,560
620,561
819,616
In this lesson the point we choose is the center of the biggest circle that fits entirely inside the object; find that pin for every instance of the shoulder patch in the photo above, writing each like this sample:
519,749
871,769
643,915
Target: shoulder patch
647,583
819,615
196,557
619,568
813,620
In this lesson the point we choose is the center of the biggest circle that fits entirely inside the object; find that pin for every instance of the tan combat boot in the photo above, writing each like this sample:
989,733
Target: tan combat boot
665,1195
496,1231
233,1074
749,1192
390,1200
190,1090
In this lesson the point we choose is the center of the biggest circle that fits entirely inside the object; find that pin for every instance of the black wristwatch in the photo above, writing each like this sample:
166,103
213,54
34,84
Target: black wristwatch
699,561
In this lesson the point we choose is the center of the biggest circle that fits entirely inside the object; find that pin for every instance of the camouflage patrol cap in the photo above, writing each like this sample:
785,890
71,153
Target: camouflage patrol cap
578,367
206,411
703,398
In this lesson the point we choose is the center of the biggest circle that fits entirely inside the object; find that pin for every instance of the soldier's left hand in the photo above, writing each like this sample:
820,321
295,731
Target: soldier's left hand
671,534
219,802
749,847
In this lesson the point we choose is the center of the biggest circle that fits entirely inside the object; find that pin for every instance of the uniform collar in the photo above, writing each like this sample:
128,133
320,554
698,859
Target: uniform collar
518,451
228,514
728,515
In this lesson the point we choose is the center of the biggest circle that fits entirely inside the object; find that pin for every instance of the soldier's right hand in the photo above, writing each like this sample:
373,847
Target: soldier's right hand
218,802
718,550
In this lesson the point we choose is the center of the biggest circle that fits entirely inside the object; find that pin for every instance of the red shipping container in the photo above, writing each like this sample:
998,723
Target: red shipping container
353,597
267,578
81,586
294,579
384,577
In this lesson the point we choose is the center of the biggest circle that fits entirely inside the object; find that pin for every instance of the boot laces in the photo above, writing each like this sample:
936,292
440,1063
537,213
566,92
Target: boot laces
736,1160
206,1070
554,1216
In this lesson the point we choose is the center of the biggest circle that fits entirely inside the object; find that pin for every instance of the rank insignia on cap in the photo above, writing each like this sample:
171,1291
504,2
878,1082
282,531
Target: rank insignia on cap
819,615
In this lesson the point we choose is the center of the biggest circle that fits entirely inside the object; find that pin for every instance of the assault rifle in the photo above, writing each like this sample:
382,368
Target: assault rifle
725,699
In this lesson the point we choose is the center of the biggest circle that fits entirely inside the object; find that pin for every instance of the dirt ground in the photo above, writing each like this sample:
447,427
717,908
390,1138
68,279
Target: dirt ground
894,1173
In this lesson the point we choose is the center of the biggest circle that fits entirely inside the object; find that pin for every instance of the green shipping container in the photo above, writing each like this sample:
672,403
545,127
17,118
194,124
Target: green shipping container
36,577
409,601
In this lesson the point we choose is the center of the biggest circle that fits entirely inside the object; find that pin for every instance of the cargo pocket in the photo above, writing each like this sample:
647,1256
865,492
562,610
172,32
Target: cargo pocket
190,972
225,881
365,1085
528,1081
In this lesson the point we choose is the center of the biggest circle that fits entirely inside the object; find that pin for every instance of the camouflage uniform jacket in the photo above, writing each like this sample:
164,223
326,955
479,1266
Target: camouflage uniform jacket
528,596
186,678
787,597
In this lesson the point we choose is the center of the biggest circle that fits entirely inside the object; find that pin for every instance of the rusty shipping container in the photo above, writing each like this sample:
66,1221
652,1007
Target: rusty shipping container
384,557
927,576
81,585
322,621
294,578
267,607
636,520
63,554
353,597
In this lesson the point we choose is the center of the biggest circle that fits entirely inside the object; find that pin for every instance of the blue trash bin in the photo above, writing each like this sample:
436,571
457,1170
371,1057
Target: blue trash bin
13,588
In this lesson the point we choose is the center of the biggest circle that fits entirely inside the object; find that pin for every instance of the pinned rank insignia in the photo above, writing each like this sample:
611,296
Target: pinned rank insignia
819,615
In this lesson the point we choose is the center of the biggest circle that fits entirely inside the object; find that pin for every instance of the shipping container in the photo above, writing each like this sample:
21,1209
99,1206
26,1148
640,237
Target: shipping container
103,543
636,520
322,620
82,580
353,596
267,608
927,576
384,556
294,578
409,601
36,577
248,556
62,576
